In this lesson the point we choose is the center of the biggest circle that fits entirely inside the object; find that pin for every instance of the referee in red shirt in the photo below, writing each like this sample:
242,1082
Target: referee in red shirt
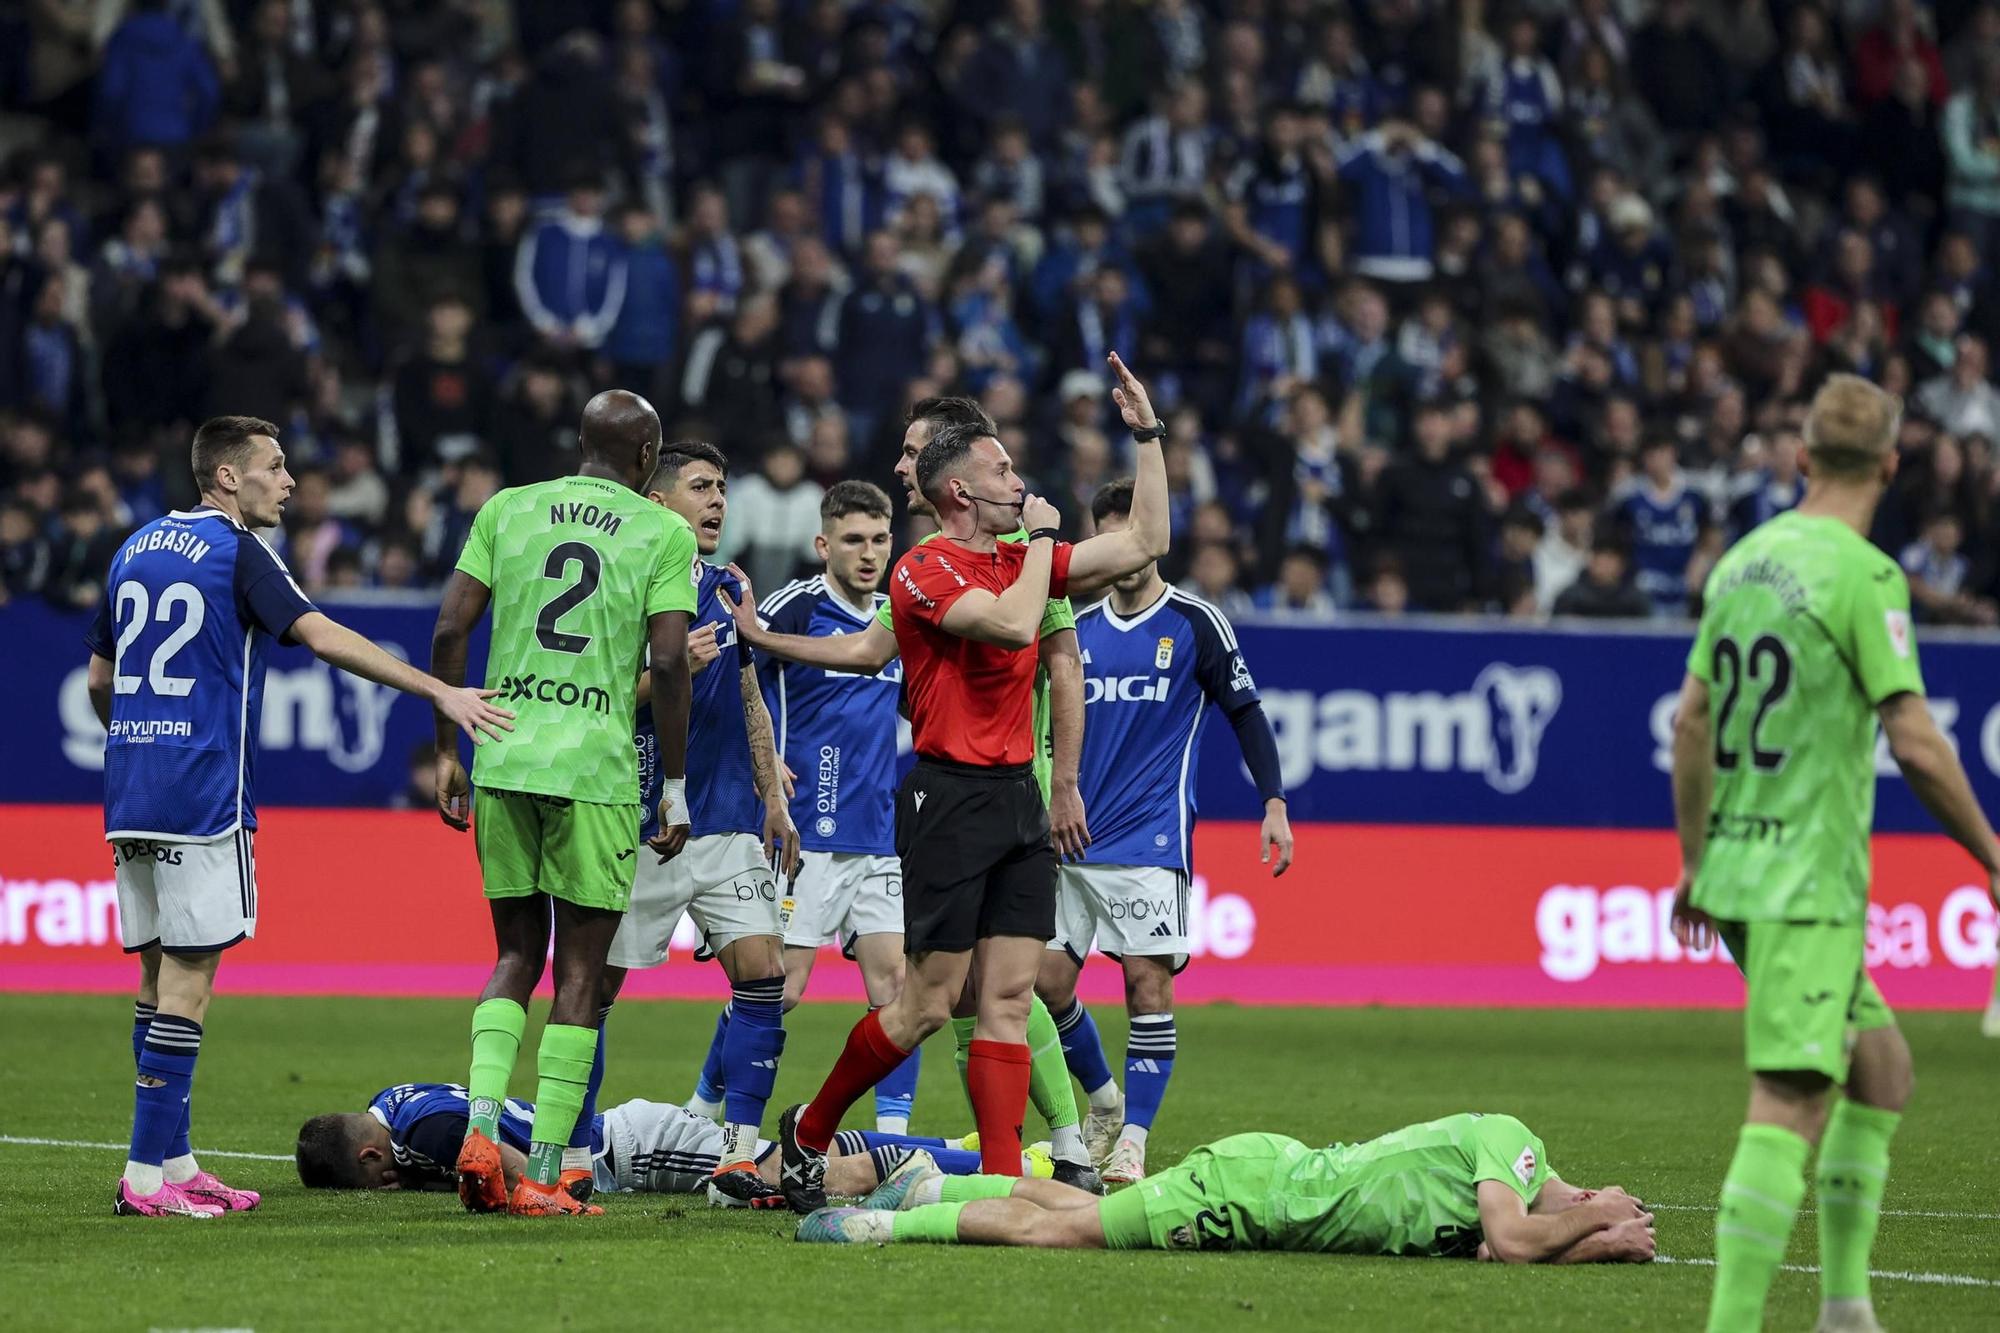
979,870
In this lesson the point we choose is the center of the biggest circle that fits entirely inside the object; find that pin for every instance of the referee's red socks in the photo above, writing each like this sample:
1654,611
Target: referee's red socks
868,1055
996,1074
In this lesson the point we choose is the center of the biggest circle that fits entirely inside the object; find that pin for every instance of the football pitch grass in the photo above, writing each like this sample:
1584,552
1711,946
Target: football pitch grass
1647,1100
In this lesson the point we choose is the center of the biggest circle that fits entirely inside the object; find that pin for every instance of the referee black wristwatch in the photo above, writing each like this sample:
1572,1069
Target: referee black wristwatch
1156,431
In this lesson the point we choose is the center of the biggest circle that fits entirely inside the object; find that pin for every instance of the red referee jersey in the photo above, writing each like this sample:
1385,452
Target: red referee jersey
970,702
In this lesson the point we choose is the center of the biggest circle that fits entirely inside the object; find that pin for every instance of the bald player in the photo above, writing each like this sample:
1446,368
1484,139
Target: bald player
582,574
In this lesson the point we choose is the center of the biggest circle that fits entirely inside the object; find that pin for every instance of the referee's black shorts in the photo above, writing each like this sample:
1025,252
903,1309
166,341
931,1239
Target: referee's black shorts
977,860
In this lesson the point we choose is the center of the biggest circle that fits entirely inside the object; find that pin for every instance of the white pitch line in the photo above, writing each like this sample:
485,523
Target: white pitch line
122,1147
1807,1212
1927,1279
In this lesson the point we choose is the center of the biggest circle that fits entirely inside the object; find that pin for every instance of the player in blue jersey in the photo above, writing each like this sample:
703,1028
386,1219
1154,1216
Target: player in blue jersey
837,733
408,1139
741,832
1669,524
1154,658
191,605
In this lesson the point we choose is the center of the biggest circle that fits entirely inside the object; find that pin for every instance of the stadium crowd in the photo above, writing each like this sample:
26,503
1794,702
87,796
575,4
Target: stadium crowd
1450,306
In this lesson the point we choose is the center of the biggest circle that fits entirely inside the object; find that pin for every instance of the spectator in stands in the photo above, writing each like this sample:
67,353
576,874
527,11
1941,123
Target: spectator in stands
1299,593
773,518
1971,133
1212,576
1564,549
1390,172
1388,593
643,339
1939,573
1681,71
883,333
570,274
1775,488
1432,516
1962,400
156,84
1605,590
1664,520
422,262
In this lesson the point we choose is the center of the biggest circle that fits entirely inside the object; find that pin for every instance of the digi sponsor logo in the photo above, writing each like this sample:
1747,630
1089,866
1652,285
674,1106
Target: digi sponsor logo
1125,689
1581,929
1494,729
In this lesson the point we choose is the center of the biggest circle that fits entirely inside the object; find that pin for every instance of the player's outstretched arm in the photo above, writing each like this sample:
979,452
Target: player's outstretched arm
1516,1236
863,654
1101,560
1694,791
673,693
337,645
1933,770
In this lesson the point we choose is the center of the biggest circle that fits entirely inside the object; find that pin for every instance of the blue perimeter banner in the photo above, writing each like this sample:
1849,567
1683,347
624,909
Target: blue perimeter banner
1433,723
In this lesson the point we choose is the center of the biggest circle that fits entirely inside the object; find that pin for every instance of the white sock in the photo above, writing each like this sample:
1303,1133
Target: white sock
1066,1145
1106,1097
929,1190
576,1159
144,1178
713,1110
1134,1135
892,1124
182,1169
739,1144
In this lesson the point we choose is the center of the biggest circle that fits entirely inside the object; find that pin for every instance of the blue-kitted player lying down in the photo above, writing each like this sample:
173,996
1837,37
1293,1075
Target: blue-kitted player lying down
408,1139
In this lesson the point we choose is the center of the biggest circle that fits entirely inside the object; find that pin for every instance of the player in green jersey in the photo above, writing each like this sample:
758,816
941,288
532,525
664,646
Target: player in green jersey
1059,747
1466,1186
582,573
1805,643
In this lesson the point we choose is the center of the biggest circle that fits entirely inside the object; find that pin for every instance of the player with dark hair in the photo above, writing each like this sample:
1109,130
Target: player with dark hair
742,832
407,1137
972,828
1058,729
1154,659
837,732
1805,645
1464,1186
176,675
582,575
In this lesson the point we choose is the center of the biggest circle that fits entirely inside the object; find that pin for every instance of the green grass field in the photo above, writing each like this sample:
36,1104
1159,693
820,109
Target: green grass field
1646,1100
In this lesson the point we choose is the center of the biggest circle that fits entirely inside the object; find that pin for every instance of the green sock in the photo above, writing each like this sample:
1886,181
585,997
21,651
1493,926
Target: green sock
563,1065
934,1222
496,1039
1049,1087
1760,1198
964,1189
1853,1171
961,1031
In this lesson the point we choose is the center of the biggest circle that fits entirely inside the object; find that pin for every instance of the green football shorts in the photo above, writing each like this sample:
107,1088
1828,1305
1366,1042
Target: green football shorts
1217,1198
1809,993
579,851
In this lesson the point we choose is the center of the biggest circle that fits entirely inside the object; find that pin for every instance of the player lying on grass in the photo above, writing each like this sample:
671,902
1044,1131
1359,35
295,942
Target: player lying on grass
1465,1186
408,1139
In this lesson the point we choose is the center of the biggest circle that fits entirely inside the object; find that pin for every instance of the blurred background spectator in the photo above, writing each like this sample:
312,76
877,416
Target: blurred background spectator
1501,308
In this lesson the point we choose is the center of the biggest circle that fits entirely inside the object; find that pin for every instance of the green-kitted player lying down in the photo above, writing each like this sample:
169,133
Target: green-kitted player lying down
1467,1186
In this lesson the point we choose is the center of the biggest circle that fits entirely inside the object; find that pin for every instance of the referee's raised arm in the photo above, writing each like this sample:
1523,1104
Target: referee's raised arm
1098,562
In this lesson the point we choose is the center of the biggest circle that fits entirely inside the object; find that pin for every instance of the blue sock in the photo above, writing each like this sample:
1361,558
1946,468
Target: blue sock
1149,1063
586,1117
142,1020
1083,1051
896,1091
171,1046
854,1142
889,1151
750,1051
708,1083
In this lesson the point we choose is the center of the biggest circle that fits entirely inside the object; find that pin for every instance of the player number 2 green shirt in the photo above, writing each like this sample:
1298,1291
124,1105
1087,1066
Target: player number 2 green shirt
576,567
1805,631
